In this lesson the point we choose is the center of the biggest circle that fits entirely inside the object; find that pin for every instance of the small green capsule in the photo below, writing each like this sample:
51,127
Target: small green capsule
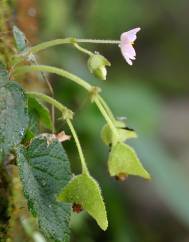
97,66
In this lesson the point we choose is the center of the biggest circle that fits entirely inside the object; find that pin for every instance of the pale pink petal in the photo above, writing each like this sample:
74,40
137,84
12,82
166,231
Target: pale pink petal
128,60
124,38
127,57
127,50
131,34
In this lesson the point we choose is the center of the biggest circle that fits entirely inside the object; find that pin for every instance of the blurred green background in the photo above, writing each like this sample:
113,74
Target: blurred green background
154,96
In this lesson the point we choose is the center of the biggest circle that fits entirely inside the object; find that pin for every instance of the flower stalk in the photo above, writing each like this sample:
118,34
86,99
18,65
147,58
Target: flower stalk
76,79
81,155
73,41
125,43
67,115
98,41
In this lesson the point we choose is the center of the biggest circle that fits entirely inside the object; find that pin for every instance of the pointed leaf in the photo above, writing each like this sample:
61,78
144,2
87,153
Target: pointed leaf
45,170
85,191
20,39
13,116
123,160
37,109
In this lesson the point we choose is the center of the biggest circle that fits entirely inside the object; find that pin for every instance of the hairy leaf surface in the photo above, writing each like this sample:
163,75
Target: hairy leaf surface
13,115
44,170
85,191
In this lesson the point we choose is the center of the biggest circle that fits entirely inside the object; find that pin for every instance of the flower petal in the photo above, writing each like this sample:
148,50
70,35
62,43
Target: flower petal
131,34
127,50
129,61
124,38
130,51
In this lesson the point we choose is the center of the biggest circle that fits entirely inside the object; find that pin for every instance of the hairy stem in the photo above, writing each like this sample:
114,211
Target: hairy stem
51,43
64,110
76,79
67,115
84,50
98,41
55,70
83,163
55,42
107,118
106,107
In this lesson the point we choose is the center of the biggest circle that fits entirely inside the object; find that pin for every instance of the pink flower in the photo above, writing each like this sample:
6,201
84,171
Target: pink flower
126,45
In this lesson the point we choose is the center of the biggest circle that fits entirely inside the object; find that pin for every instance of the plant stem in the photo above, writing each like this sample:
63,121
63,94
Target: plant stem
77,80
64,109
82,159
98,41
107,118
83,49
55,70
55,42
51,43
106,107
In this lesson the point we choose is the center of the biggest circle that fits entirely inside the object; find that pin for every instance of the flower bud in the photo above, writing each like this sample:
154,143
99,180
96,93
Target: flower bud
97,66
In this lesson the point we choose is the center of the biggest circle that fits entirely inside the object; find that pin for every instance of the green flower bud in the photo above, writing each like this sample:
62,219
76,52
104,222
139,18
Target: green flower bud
97,66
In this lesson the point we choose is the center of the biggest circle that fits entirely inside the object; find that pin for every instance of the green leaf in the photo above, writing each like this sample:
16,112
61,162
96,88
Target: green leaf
123,160
33,126
45,170
13,116
123,132
20,39
37,109
29,134
38,114
85,191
